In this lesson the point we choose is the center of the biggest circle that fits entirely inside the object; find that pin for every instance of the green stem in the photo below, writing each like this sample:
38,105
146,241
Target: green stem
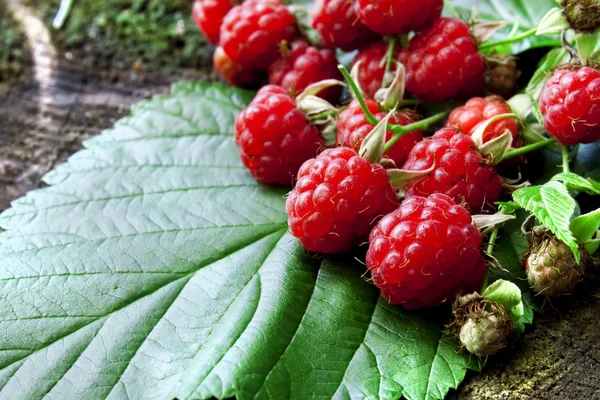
490,250
389,57
528,148
565,159
403,130
369,116
323,115
490,45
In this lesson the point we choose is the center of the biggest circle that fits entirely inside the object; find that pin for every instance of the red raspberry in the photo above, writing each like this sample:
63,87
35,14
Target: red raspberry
393,17
477,111
443,63
274,136
460,170
252,32
233,73
570,103
353,127
208,15
337,201
339,25
426,252
303,65
372,67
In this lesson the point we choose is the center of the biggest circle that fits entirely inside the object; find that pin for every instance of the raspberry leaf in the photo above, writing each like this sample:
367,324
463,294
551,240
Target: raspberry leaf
585,226
578,183
154,266
508,295
520,14
553,206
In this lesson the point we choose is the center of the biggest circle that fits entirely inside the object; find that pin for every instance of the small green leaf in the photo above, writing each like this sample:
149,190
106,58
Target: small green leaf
373,146
508,295
585,226
593,245
508,207
553,206
578,183
588,45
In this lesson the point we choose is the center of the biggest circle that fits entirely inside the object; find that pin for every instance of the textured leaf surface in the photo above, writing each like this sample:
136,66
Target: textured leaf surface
578,183
155,267
553,206
526,14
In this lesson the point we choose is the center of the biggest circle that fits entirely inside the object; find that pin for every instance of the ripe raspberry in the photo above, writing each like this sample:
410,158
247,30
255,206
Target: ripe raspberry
477,111
551,266
339,25
460,170
426,252
394,17
302,65
570,103
443,63
274,136
209,14
252,32
353,127
337,200
233,73
372,67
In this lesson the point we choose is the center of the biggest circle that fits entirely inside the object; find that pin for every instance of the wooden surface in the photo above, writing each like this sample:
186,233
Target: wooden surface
43,121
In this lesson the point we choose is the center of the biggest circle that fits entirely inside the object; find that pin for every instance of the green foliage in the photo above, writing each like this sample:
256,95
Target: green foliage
524,14
155,266
125,31
553,206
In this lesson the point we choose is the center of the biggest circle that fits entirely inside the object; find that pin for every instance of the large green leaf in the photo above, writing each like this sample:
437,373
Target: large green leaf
553,206
525,13
154,266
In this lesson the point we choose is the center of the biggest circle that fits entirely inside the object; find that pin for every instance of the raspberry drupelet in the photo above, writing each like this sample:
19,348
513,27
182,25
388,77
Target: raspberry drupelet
337,200
570,104
426,252
275,137
460,170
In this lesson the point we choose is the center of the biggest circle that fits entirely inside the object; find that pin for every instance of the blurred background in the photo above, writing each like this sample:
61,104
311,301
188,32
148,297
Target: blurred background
61,86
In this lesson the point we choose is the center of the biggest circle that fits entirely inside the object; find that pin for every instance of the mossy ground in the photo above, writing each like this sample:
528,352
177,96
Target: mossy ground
14,54
123,33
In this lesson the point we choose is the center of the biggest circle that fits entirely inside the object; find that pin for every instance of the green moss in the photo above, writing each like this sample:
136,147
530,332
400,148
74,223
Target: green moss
14,54
123,32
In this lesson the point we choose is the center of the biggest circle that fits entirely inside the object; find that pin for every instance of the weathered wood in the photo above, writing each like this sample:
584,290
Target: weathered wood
42,123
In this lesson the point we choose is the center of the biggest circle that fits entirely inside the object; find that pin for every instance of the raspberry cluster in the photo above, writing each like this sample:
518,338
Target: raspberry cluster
409,200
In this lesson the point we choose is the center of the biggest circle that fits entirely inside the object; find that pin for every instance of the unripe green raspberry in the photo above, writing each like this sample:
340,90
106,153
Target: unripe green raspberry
583,15
551,266
482,326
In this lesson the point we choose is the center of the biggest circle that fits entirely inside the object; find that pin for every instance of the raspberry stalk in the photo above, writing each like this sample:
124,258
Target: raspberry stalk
513,39
565,159
399,130
528,148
